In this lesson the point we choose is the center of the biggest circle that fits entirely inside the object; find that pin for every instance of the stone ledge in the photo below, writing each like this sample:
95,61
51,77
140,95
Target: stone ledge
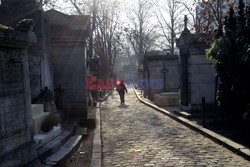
16,39
231,145
96,160
167,99
68,149
55,144
42,139
182,114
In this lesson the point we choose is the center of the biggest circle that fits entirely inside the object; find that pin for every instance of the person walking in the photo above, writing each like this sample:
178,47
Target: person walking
121,88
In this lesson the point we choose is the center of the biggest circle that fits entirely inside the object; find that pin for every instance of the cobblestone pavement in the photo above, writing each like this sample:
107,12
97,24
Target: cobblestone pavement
137,135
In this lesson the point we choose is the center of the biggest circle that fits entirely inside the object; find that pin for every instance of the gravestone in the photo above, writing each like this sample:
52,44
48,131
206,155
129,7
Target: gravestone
17,147
196,72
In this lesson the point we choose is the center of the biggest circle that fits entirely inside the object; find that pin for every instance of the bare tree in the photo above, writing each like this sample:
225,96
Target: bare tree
49,4
104,41
168,14
141,34
107,34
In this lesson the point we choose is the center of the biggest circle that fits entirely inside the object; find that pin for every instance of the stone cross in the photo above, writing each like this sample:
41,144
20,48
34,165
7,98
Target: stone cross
164,70
185,21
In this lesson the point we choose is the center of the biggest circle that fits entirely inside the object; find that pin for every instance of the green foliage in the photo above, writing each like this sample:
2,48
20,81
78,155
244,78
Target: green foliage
230,23
241,13
230,54
219,50
50,121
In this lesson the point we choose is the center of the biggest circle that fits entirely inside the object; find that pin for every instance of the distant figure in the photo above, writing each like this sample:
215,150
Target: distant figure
121,88
58,97
48,100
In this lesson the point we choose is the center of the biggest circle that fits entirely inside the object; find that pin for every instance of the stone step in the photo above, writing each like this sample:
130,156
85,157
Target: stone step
196,114
63,154
208,115
44,138
38,116
56,143
182,114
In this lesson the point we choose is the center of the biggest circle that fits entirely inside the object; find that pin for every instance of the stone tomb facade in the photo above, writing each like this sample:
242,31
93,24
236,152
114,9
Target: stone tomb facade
68,35
59,57
197,74
156,65
17,147
41,72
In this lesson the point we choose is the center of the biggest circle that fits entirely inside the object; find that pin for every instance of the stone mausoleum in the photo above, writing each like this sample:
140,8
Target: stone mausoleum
59,57
162,67
17,146
67,40
196,72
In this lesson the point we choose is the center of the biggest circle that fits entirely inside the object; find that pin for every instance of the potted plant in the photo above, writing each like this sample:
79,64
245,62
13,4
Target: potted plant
50,121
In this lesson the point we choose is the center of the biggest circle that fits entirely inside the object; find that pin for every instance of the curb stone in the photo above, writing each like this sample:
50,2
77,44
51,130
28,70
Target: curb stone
229,144
96,160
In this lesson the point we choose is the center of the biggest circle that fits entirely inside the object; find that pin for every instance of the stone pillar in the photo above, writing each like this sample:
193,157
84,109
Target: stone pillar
184,56
17,147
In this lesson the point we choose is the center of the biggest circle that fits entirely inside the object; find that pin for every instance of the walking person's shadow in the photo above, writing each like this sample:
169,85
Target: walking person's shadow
124,106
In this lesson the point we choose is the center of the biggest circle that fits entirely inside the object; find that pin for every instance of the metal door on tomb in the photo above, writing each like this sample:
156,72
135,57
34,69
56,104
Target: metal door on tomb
184,80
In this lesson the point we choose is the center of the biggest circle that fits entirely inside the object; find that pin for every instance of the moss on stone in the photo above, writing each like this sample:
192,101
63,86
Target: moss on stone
3,27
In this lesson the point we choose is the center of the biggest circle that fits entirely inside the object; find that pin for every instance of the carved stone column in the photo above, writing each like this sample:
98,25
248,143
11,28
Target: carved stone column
17,147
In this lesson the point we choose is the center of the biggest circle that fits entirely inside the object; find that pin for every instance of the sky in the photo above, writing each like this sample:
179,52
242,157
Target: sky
67,7
123,12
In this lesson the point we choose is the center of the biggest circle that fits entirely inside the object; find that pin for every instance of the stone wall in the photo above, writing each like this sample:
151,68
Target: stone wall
172,76
69,65
17,147
202,79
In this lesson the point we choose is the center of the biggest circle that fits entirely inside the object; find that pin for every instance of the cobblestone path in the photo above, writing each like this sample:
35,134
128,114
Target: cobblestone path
137,135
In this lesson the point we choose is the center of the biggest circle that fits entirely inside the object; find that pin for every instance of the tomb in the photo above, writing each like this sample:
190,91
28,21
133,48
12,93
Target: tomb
197,74
17,147
161,74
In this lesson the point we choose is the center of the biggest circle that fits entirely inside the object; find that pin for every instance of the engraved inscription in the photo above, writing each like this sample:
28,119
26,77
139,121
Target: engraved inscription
14,108
12,100
12,76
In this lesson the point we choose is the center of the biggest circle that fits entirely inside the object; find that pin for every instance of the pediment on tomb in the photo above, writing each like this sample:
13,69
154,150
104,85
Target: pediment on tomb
75,22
